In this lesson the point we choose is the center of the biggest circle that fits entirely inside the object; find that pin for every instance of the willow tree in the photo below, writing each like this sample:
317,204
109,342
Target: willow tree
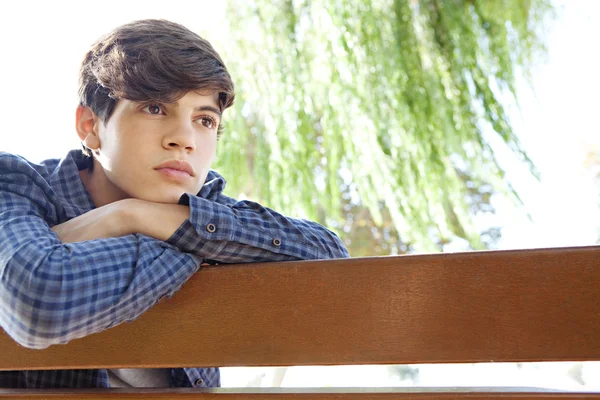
384,104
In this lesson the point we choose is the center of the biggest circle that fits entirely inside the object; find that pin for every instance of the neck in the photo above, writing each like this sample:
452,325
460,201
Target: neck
101,189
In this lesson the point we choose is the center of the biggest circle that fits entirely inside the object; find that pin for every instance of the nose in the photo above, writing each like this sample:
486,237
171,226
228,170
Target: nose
180,136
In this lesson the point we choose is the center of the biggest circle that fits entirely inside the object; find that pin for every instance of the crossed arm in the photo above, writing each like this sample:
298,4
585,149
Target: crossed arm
63,279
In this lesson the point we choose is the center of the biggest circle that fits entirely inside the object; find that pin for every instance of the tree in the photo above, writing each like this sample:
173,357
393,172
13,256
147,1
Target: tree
375,117
364,237
381,104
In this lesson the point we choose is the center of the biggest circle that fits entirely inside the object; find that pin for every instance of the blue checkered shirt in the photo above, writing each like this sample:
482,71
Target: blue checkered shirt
52,292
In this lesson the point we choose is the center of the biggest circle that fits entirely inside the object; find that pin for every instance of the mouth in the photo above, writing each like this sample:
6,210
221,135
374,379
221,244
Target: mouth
176,168
179,171
174,174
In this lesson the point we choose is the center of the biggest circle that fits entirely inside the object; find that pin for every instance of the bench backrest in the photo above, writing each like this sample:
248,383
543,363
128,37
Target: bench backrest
523,305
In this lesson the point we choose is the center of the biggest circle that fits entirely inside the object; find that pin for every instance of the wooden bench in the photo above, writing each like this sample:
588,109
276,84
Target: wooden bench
517,306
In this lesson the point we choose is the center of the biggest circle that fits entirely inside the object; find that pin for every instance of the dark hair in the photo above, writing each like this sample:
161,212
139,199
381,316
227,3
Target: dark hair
151,60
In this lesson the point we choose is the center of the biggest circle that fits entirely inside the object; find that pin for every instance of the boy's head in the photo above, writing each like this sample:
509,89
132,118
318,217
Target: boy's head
151,92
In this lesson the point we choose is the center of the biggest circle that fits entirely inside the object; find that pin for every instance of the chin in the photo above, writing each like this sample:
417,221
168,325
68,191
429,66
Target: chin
171,197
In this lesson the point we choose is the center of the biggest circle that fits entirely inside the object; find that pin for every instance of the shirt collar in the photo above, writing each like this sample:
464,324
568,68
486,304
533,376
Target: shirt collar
68,185
213,186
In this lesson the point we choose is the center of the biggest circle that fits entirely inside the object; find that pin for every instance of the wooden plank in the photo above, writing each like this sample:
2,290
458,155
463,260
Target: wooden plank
445,393
525,305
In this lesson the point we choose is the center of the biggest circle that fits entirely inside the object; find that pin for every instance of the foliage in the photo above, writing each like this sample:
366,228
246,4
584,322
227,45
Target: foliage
382,104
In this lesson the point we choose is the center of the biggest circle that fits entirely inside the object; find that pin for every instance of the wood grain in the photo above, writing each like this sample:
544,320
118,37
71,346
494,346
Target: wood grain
525,305
302,394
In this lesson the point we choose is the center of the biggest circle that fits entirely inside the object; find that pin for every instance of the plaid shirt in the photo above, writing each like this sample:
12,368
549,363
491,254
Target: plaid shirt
52,292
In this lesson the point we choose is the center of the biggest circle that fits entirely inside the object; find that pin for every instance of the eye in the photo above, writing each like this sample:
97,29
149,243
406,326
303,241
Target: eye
154,109
208,122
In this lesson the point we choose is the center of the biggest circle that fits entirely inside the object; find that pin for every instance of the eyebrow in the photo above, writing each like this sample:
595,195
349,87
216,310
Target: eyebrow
204,108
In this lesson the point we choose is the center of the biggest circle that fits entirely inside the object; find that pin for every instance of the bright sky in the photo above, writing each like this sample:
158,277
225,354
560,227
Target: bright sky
559,125
43,42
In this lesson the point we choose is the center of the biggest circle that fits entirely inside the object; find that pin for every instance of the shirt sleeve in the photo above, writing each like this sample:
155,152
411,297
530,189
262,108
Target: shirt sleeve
52,292
229,231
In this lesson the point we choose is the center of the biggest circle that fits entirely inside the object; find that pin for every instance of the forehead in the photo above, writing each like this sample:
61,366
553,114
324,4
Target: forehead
193,99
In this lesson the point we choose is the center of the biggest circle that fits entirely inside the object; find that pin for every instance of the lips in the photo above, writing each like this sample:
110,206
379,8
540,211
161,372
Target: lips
176,167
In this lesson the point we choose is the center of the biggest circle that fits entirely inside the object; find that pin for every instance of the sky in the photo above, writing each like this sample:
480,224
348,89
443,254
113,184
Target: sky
43,43
558,126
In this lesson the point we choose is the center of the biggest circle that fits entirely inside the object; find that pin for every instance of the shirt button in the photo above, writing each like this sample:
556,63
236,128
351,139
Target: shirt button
277,242
198,382
211,228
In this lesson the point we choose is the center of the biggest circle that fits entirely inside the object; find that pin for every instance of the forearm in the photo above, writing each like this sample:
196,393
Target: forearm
157,220
53,293
122,218
74,291
109,221
245,232
233,232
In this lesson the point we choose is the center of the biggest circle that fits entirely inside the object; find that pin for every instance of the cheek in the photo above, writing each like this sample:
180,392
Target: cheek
210,151
126,140
204,158
113,152
124,155
112,137
206,146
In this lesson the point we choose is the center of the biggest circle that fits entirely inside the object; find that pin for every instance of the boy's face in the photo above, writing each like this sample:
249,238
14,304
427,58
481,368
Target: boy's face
157,152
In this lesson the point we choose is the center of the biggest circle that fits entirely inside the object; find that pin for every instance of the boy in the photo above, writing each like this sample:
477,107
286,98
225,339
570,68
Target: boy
96,239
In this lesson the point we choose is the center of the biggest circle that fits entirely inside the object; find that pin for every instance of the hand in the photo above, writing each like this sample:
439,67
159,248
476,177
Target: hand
112,220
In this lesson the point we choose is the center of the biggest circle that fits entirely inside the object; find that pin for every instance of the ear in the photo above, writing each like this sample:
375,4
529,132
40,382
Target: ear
86,124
